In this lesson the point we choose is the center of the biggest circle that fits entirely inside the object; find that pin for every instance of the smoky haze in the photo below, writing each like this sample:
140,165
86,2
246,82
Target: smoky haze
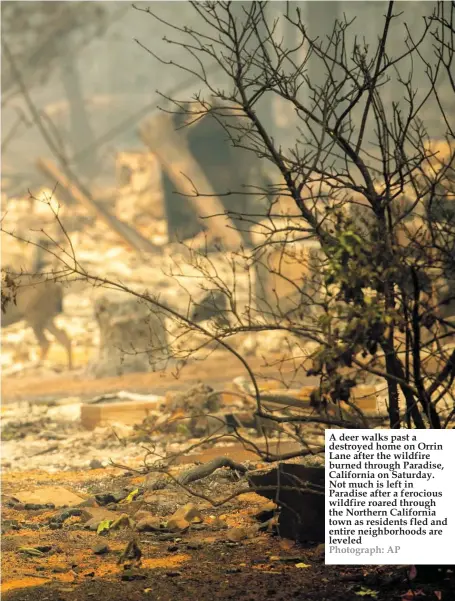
93,83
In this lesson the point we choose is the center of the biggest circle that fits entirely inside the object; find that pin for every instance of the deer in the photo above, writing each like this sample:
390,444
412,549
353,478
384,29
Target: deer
37,301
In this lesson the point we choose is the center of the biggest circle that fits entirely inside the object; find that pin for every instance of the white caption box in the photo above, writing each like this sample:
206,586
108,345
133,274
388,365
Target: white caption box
389,497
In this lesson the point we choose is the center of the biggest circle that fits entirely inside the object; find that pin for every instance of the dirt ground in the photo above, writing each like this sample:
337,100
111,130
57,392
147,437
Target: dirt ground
218,368
202,562
227,554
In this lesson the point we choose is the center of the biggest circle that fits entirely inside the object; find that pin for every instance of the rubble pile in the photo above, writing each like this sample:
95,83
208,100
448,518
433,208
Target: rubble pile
53,437
140,194
169,277
103,257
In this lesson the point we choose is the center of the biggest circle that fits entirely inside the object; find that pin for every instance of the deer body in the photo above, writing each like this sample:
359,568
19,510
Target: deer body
37,302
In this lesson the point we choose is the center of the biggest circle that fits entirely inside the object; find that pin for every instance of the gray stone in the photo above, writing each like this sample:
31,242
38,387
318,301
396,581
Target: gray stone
149,524
101,549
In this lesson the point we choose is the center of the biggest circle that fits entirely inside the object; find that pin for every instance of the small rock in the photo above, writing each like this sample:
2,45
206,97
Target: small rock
129,575
101,549
44,548
236,535
67,513
119,495
233,570
36,506
123,521
149,524
194,545
60,518
173,574
96,515
173,548
177,525
189,512
95,464
64,514
142,515
111,497
158,484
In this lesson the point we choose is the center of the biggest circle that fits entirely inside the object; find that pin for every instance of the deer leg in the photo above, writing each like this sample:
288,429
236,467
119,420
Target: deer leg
42,341
62,337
